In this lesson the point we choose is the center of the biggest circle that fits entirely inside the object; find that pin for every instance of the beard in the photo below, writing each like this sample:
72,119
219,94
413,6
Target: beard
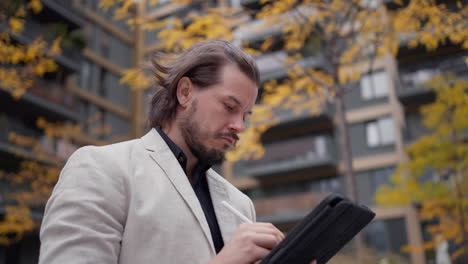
194,137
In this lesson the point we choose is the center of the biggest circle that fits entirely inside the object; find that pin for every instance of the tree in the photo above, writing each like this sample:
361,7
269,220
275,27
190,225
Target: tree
352,34
444,153
21,63
30,185
24,60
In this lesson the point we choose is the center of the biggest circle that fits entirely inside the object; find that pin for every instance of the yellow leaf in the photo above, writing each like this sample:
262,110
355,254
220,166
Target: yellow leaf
55,48
36,6
16,24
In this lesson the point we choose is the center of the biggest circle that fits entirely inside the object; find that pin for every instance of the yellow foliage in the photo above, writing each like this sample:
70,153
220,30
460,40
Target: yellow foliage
267,44
350,32
55,48
30,60
106,4
136,79
35,180
16,24
443,152
123,11
36,6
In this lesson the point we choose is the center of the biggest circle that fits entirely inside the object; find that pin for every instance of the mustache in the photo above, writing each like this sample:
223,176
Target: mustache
229,134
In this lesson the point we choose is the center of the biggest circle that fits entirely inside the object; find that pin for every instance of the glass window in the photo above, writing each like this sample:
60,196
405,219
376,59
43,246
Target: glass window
380,132
104,48
387,135
374,85
370,3
320,146
235,3
372,133
387,237
368,182
103,76
85,75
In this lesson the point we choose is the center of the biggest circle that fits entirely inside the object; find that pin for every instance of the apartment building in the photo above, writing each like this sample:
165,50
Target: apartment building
302,160
84,92
302,155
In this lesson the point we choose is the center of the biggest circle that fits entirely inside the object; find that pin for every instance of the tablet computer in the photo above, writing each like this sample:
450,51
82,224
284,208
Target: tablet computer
322,233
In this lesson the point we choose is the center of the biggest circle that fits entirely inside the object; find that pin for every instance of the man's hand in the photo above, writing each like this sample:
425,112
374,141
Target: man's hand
250,243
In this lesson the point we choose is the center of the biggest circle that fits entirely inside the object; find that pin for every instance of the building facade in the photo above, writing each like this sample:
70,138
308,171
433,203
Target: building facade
84,93
302,159
302,156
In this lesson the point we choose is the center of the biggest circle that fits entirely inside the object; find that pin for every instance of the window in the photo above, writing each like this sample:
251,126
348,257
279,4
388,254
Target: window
236,3
380,132
373,4
104,45
85,76
102,88
368,182
374,85
387,236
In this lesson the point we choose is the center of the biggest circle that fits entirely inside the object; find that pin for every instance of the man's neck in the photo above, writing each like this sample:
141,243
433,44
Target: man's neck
174,133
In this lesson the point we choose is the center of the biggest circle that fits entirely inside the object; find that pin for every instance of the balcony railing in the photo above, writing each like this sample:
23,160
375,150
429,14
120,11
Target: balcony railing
290,155
287,208
35,145
55,93
289,116
70,57
66,12
413,77
8,125
274,65
412,83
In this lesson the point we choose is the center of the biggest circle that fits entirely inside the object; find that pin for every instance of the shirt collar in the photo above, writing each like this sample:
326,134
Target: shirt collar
180,155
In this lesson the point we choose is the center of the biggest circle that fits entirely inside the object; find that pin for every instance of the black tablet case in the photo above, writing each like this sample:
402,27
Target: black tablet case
322,233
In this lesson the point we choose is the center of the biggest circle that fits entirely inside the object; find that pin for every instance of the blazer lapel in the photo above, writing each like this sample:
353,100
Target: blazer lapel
164,158
218,192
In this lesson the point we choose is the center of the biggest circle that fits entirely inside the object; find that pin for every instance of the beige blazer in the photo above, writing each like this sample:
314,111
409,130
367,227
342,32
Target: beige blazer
132,203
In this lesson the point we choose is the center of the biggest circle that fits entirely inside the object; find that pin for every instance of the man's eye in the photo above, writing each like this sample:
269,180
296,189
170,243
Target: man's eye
229,108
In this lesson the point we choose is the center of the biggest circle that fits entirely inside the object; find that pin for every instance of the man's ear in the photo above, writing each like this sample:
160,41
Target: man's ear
184,91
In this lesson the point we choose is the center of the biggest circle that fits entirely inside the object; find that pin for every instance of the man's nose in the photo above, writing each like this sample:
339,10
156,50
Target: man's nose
237,125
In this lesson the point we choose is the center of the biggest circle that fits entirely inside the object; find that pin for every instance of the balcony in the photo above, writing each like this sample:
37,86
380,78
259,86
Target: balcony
273,65
412,83
53,97
286,209
411,87
258,29
63,11
290,155
70,57
288,117
45,98
35,145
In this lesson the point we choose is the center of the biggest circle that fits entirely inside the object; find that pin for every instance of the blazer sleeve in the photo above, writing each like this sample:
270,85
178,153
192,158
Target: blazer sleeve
85,216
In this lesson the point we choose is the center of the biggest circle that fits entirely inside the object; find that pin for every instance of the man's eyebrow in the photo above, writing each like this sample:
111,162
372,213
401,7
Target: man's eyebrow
233,98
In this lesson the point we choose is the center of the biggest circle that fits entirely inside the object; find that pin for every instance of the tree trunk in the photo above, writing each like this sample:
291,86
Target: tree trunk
344,147
346,158
461,211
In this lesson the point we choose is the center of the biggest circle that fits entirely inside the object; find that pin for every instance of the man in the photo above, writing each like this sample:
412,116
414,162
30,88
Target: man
155,199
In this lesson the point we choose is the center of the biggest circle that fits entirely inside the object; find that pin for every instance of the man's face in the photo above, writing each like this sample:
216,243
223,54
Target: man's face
217,115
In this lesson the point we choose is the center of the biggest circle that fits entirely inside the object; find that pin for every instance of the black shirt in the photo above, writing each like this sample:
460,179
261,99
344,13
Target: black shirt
200,186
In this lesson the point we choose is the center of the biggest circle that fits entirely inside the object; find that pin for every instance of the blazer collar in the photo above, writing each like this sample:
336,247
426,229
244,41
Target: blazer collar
219,193
164,158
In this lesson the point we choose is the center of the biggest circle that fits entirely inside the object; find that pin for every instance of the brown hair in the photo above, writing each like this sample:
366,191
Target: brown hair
202,64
